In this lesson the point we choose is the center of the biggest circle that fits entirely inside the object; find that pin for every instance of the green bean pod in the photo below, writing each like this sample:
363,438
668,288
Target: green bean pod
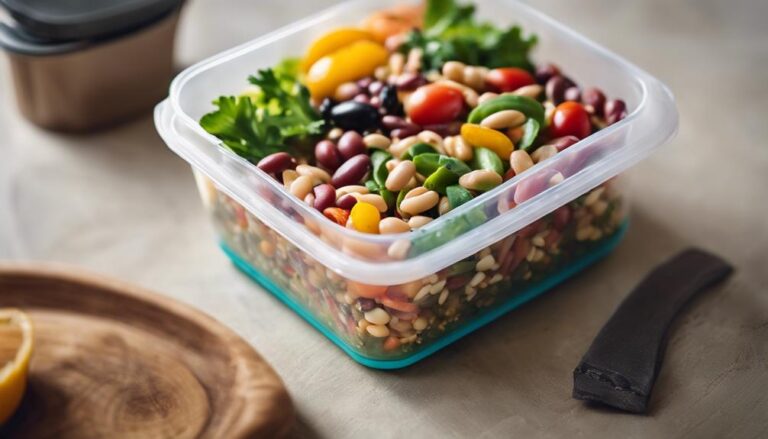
440,179
379,160
389,197
530,131
528,106
484,158
457,195
427,163
454,165
419,148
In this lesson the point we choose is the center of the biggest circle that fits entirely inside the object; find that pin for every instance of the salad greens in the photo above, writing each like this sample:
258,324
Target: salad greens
451,33
269,120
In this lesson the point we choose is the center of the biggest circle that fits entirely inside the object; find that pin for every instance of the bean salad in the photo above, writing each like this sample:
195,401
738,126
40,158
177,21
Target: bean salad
400,145
386,126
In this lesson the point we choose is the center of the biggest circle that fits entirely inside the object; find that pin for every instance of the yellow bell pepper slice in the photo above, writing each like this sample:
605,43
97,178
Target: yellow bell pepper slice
365,217
349,63
496,141
331,42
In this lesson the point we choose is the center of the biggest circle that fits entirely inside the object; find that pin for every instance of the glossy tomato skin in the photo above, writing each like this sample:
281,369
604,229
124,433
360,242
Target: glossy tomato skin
435,104
508,79
570,119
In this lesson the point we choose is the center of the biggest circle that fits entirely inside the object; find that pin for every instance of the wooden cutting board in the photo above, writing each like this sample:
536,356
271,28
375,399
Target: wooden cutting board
113,360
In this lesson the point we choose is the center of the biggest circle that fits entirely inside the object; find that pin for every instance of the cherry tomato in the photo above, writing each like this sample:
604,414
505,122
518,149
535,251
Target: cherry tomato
435,104
570,119
508,79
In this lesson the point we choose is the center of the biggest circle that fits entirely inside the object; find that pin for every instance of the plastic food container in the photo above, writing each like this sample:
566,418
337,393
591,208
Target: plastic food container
460,271
78,66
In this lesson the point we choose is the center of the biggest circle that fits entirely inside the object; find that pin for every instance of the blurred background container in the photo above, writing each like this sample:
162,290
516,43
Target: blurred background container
83,65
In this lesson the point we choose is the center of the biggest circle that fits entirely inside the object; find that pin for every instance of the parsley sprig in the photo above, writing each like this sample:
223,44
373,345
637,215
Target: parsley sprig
451,33
273,119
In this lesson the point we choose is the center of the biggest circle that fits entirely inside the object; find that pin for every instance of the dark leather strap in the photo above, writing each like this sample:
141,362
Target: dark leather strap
622,363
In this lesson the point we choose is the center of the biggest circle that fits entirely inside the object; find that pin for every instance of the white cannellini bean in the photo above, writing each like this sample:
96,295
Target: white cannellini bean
377,316
378,331
479,277
485,263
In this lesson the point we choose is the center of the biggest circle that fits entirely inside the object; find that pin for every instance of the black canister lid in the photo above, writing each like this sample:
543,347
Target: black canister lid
68,20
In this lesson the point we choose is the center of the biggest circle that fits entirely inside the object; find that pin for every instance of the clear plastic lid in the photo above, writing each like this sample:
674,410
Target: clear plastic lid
398,258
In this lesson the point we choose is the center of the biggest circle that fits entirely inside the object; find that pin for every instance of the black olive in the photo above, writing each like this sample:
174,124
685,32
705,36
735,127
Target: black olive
389,101
325,108
357,116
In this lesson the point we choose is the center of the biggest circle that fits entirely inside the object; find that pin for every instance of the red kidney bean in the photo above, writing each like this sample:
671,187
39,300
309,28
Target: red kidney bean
457,281
375,88
325,196
595,99
410,81
402,133
375,101
530,230
572,94
520,249
445,129
555,88
366,304
546,71
392,122
533,185
615,110
365,82
362,98
576,163
346,202
276,163
561,217
351,144
347,91
327,155
352,171
563,142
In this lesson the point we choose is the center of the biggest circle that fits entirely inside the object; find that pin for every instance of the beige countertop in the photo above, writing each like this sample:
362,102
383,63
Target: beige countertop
120,203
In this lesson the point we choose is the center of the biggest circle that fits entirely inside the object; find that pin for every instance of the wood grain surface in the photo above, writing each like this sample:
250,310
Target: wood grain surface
112,360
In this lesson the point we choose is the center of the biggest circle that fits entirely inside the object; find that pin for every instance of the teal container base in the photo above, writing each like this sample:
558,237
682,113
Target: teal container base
492,314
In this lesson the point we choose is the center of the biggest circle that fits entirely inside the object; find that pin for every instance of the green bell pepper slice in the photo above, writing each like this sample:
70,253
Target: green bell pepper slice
528,106
484,158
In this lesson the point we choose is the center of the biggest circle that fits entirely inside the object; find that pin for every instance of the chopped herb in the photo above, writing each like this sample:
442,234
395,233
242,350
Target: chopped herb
451,33
269,121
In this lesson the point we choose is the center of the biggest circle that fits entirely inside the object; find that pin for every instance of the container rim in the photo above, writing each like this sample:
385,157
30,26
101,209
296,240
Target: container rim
654,97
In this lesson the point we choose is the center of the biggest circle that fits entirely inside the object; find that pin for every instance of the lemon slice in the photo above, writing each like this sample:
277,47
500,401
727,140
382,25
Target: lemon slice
15,350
